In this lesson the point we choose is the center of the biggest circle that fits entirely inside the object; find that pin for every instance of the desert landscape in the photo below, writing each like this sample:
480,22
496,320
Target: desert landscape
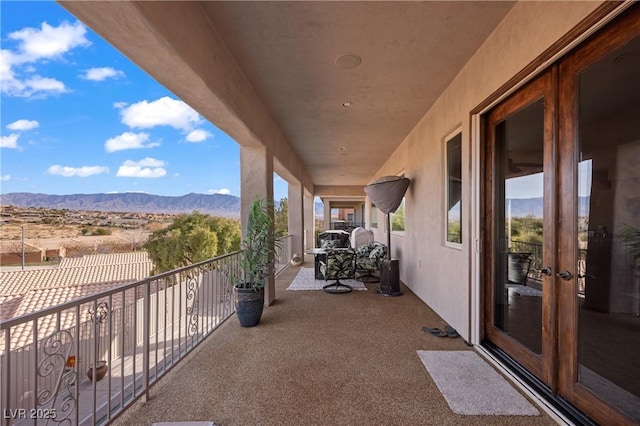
80,232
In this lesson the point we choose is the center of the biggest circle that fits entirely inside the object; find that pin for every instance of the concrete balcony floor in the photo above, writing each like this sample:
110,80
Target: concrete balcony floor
315,359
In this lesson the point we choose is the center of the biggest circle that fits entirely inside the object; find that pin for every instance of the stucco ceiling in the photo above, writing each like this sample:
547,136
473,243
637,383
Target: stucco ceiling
292,53
409,51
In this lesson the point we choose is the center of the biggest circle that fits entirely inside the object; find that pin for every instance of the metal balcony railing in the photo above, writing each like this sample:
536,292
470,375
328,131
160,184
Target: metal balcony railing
139,331
283,254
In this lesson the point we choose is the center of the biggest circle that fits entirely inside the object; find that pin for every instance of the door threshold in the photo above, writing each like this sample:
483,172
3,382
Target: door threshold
544,400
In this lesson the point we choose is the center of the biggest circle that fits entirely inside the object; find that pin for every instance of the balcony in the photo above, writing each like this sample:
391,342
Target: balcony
314,359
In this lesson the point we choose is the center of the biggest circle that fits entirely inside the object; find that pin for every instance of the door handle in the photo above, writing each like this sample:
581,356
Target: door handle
546,271
565,275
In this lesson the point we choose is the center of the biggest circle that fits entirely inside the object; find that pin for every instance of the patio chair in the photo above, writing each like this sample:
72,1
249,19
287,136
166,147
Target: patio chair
339,264
331,244
369,259
339,235
360,237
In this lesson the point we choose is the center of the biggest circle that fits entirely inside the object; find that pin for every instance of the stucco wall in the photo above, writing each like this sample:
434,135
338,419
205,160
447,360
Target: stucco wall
438,274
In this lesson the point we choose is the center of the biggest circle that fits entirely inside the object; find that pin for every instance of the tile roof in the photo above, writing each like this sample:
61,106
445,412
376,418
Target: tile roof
35,300
15,246
21,282
23,292
105,259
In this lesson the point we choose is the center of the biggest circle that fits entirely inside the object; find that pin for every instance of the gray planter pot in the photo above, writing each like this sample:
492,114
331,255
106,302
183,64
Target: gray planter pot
249,305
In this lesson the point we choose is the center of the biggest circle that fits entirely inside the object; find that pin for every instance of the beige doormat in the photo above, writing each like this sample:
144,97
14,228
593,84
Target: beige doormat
472,387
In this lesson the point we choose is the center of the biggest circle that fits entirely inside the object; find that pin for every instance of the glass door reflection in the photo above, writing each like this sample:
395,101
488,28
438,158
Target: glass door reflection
520,226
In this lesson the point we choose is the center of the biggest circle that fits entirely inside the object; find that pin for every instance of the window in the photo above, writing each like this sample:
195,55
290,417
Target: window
397,219
454,188
373,216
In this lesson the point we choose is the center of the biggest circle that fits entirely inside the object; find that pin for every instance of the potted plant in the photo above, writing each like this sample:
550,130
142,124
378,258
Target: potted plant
98,317
256,263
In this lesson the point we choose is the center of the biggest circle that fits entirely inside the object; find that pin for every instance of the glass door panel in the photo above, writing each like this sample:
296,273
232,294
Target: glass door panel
608,229
519,225
519,219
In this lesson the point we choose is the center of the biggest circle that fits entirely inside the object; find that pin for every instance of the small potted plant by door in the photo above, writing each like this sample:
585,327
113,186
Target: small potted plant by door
256,263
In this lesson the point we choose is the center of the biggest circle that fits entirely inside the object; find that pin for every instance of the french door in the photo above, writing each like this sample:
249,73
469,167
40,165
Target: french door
562,225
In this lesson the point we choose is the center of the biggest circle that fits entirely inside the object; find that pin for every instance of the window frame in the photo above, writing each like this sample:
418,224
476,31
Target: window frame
457,133
404,208
373,210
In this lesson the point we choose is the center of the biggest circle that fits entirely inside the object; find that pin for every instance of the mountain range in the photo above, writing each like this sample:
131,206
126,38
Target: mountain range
134,202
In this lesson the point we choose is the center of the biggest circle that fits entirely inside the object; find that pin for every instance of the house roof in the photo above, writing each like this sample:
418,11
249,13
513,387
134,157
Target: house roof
34,300
24,292
15,246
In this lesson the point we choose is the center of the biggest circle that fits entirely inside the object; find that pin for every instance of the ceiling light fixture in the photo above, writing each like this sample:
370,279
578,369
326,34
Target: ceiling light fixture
347,104
348,61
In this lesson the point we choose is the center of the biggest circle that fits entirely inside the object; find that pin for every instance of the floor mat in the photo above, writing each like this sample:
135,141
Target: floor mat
305,281
472,387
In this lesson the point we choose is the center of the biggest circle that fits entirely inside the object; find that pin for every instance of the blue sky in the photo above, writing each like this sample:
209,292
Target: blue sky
79,117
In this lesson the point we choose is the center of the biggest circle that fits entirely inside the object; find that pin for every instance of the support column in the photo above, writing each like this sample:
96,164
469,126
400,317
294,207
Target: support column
327,213
367,215
256,179
296,218
309,221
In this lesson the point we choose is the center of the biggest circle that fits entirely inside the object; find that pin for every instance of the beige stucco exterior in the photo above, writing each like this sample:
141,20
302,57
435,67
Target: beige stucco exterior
183,46
332,95
441,275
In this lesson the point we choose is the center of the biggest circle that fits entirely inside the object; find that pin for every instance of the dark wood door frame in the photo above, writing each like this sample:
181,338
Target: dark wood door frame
622,30
542,87
558,366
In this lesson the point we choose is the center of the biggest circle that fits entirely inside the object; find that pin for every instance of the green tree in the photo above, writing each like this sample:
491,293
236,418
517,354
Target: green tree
527,229
192,238
281,218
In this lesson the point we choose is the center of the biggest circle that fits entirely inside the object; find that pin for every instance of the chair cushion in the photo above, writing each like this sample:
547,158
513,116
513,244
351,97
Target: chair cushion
331,244
378,253
370,256
365,250
340,264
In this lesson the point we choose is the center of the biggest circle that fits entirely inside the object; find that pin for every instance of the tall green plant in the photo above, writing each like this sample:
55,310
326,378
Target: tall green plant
258,246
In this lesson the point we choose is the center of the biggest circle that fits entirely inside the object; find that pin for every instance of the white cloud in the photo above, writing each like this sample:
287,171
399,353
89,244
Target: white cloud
119,105
148,162
83,171
5,177
145,168
35,45
23,125
45,84
223,191
198,135
101,74
49,42
10,141
162,112
36,86
129,140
